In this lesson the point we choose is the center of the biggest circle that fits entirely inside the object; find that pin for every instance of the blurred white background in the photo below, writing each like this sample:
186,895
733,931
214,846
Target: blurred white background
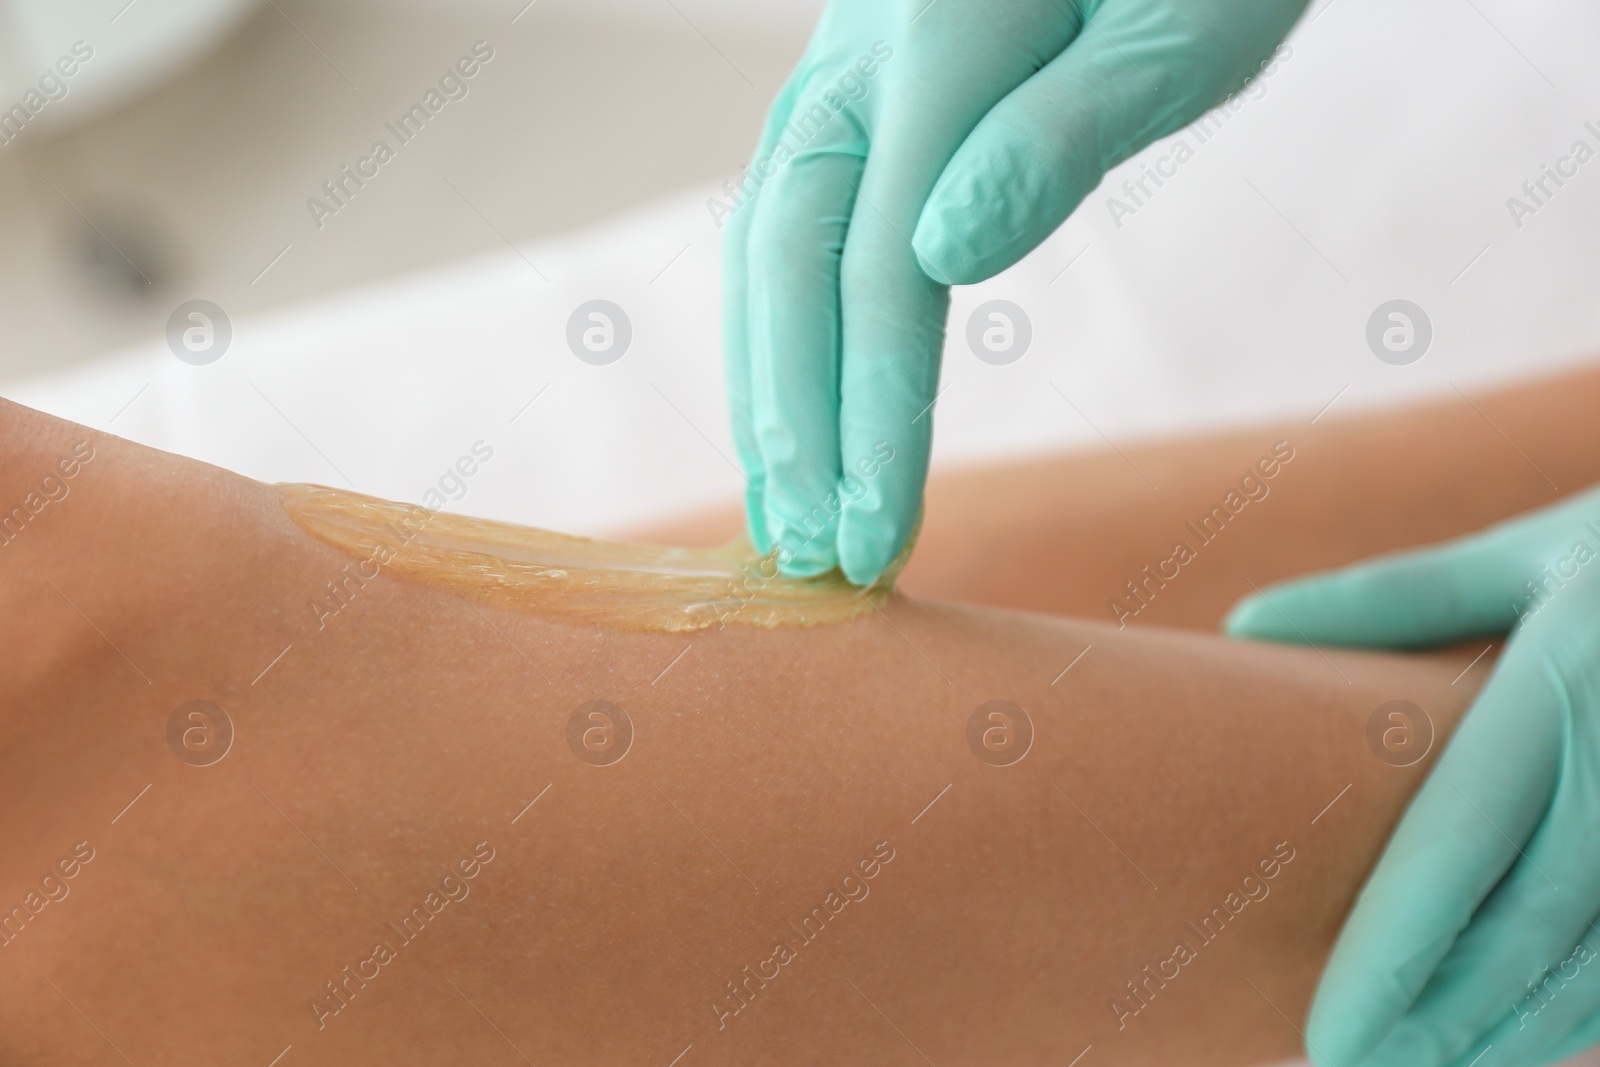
181,159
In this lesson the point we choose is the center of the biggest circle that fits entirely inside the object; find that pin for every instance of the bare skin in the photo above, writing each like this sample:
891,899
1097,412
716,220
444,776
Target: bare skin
409,735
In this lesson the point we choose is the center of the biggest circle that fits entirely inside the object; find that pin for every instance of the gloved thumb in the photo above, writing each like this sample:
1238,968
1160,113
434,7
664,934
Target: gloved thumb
1466,588
1125,81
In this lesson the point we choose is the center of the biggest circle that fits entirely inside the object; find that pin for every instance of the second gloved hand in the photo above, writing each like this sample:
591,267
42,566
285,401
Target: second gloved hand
1475,941
923,143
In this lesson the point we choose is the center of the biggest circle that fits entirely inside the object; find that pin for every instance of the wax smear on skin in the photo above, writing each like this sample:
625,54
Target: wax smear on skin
522,568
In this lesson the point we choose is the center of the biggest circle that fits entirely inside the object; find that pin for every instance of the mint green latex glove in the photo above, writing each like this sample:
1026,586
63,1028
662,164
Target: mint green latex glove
1477,929
920,144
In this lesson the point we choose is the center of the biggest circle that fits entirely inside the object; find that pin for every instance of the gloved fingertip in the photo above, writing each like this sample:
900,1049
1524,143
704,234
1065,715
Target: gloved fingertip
932,269
865,556
1330,1050
996,201
1251,617
944,252
1346,1028
862,574
801,556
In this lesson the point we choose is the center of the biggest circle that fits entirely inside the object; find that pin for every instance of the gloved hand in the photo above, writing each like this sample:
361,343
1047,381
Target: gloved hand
1477,929
923,143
